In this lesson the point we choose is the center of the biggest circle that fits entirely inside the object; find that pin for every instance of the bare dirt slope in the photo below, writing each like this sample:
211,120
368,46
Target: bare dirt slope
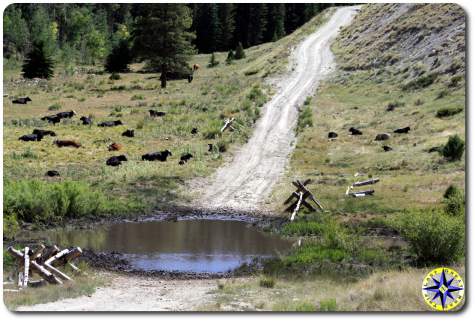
258,165
239,185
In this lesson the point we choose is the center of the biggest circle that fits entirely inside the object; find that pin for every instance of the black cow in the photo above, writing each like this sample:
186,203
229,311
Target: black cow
21,100
387,148
54,119
404,130
383,136
154,113
116,160
332,135
190,78
129,133
355,131
86,120
210,147
66,114
161,156
185,157
52,173
31,138
194,131
43,132
110,123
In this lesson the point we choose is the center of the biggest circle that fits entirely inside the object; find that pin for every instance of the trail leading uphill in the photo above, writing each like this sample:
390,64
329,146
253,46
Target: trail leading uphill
258,165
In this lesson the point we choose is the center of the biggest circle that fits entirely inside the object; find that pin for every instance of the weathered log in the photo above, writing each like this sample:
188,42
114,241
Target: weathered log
367,182
49,264
47,275
297,207
37,253
362,193
26,267
227,123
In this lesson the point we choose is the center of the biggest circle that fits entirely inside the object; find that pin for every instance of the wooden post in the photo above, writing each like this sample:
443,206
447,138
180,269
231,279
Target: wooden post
297,207
38,252
227,123
26,267
49,264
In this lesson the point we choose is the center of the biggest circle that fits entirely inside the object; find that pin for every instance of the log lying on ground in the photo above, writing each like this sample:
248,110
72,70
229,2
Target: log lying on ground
362,193
367,182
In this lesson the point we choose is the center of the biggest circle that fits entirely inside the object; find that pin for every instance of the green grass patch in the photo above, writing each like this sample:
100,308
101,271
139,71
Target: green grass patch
448,111
302,228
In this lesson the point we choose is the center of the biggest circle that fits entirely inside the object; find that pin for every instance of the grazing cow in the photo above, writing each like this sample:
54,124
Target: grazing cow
404,130
355,131
185,157
194,131
129,133
52,173
86,120
31,138
383,136
332,135
154,113
161,156
114,147
116,160
67,143
21,100
43,132
66,114
110,123
196,67
52,119
210,147
387,148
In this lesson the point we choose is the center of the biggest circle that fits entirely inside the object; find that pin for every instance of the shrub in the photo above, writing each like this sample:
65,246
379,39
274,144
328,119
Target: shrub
55,106
308,100
251,72
419,102
257,95
212,61
454,148
442,94
452,190
137,97
305,307
222,146
267,282
454,81
239,53
305,119
421,82
448,111
302,228
35,201
454,201
114,76
230,57
328,305
433,236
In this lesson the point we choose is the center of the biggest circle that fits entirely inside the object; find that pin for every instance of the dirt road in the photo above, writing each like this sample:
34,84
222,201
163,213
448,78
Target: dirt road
238,185
259,164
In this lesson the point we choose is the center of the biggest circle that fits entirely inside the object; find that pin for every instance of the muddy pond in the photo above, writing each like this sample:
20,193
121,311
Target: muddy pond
198,246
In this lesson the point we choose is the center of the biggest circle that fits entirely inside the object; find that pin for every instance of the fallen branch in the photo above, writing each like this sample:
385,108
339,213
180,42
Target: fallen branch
227,123
367,182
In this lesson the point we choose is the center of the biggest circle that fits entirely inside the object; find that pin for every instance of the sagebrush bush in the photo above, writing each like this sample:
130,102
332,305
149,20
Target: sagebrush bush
305,119
454,200
448,111
303,228
55,106
433,236
454,148
267,282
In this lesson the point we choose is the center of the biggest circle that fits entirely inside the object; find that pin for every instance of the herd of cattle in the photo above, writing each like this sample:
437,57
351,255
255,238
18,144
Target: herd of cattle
379,137
38,134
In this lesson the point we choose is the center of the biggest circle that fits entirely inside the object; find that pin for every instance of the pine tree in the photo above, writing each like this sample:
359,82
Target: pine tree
212,61
207,27
119,58
257,23
239,54
161,37
230,57
226,14
276,22
37,63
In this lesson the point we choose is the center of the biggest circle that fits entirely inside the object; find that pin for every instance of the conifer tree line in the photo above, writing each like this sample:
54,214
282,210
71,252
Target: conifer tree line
163,35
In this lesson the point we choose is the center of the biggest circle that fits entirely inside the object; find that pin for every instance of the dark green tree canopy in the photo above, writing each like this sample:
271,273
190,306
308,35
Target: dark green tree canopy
37,63
119,58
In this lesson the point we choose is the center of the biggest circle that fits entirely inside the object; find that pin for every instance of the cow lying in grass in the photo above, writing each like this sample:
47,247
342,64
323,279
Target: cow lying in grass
110,123
53,119
355,131
129,133
21,100
66,143
52,173
44,132
116,160
57,117
161,156
31,138
114,147
404,130
154,113
184,158
86,120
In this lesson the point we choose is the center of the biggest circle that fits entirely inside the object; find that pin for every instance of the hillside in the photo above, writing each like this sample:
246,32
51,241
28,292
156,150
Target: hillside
359,96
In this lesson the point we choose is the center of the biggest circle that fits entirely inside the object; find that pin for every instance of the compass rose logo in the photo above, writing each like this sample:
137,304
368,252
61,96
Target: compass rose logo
443,289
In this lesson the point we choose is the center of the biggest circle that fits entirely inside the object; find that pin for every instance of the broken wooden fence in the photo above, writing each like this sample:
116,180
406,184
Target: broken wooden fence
370,192
299,198
44,262
228,124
